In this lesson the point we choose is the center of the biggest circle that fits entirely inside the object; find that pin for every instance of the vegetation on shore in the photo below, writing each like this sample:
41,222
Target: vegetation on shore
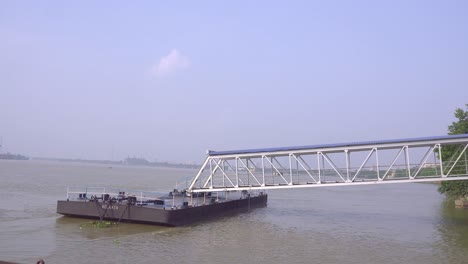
98,224
456,189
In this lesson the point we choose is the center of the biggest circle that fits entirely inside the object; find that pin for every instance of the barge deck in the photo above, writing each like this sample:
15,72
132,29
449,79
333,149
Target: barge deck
173,209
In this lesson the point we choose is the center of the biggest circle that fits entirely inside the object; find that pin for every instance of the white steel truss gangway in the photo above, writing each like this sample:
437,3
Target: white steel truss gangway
426,159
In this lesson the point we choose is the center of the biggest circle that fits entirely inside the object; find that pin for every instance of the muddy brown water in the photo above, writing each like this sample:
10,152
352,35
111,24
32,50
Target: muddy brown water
396,223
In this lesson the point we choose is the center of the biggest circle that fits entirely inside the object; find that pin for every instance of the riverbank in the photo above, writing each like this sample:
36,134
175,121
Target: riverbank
126,162
461,203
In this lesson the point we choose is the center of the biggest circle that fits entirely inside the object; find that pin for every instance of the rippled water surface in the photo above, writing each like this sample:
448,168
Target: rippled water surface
396,223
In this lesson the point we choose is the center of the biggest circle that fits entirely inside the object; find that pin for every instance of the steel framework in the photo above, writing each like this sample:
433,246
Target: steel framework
387,161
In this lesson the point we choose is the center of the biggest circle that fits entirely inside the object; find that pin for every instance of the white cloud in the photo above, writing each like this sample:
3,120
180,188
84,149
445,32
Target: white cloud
172,62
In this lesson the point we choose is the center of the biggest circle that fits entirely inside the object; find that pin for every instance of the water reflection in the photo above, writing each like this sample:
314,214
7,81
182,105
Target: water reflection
453,229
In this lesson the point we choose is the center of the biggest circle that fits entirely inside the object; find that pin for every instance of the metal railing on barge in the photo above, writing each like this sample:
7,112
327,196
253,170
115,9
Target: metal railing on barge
173,200
106,193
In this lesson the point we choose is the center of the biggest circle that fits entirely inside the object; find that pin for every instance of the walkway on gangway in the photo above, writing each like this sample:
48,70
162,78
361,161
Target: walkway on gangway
374,162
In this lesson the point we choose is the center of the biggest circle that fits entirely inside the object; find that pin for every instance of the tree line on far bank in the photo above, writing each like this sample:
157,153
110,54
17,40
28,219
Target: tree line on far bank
10,156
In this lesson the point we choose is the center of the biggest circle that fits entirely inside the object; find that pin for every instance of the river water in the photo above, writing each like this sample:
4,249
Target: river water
395,223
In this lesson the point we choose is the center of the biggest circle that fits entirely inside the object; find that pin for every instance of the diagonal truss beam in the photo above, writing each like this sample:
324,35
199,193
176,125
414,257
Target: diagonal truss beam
458,158
423,161
248,170
273,166
364,164
237,175
330,162
302,162
217,163
393,162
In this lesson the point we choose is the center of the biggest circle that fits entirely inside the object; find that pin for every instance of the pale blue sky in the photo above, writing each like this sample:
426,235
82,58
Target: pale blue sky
168,80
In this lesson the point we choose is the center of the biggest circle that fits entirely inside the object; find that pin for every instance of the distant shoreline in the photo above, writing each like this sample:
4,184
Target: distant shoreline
126,162
11,156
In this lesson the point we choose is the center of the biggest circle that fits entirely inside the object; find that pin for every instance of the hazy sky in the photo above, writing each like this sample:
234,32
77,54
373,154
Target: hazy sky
167,80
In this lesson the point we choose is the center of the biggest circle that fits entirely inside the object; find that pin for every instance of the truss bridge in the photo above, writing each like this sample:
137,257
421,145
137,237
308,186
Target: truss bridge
427,159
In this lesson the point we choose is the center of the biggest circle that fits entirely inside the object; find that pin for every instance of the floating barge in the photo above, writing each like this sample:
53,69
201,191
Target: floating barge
172,209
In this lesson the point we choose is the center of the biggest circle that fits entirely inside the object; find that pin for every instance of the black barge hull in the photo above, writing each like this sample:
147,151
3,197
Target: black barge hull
158,216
